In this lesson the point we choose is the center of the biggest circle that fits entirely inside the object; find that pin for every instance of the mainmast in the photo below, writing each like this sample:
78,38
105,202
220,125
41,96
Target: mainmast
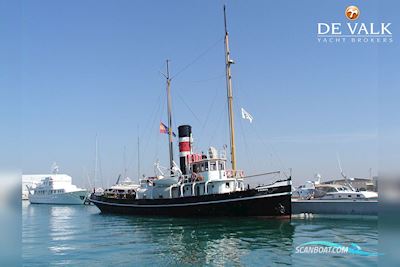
228,62
171,152
138,156
95,163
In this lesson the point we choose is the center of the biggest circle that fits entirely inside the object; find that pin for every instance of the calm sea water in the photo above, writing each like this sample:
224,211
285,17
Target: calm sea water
82,236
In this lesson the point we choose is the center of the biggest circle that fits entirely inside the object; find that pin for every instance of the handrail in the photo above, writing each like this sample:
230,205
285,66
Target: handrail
261,174
235,173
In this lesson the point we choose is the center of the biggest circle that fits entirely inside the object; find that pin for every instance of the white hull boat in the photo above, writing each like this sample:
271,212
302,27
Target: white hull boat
335,207
333,199
57,189
71,198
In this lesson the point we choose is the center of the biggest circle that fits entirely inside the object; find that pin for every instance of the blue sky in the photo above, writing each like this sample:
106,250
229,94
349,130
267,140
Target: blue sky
87,68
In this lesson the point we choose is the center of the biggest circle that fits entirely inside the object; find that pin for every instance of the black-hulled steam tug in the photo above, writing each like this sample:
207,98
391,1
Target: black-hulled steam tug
201,185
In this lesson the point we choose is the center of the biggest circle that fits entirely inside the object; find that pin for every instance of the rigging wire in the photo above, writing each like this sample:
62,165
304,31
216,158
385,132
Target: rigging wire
184,102
246,147
155,116
197,58
280,162
209,112
222,113
160,117
208,79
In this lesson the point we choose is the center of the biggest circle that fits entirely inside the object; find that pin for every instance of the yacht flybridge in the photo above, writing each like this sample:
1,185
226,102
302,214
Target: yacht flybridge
202,184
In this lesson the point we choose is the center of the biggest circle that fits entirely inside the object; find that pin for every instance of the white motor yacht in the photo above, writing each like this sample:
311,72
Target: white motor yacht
56,189
317,198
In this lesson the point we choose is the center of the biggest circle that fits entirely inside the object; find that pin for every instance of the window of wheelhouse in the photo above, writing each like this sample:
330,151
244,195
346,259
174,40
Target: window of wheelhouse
213,166
221,165
206,166
196,168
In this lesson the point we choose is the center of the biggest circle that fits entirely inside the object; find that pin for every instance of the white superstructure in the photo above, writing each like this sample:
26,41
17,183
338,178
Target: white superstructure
56,189
30,181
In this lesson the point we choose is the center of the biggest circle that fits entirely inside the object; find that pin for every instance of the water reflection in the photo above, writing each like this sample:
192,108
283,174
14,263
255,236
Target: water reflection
217,241
81,236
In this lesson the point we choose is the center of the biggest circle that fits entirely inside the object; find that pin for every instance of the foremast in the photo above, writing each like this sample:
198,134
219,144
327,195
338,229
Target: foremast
170,141
228,62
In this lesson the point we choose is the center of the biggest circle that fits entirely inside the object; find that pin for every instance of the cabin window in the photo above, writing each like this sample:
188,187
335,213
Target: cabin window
196,168
213,166
349,195
221,166
206,166
202,168
358,195
227,185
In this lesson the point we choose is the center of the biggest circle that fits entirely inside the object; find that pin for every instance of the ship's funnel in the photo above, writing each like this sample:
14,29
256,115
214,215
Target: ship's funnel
185,134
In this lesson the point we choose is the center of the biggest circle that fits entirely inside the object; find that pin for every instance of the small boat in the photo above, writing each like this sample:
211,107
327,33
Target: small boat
202,184
56,189
122,189
320,198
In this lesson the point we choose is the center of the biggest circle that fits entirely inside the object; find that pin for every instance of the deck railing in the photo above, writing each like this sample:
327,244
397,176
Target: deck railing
235,173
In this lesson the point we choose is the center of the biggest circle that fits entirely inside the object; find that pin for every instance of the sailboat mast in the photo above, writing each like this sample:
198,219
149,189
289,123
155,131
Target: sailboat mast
170,141
125,170
95,163
228,63
138,157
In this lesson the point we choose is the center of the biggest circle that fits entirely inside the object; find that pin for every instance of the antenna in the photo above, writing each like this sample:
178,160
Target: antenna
340,167
125,170
54,168
344,175
226,28
119,177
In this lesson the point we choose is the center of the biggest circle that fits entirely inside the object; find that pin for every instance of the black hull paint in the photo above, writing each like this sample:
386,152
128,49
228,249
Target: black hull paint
275,202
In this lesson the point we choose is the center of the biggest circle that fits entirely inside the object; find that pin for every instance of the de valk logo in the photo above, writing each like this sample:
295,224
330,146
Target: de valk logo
353,29
352,12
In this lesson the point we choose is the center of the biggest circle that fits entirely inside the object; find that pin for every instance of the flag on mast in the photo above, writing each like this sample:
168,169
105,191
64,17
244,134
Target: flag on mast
164,129
246,115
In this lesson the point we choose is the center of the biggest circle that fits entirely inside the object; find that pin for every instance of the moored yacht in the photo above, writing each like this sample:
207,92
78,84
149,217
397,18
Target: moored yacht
122,189
56,189
319,198
202,184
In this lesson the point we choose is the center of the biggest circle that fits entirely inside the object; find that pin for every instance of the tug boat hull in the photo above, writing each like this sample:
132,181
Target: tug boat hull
274,202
